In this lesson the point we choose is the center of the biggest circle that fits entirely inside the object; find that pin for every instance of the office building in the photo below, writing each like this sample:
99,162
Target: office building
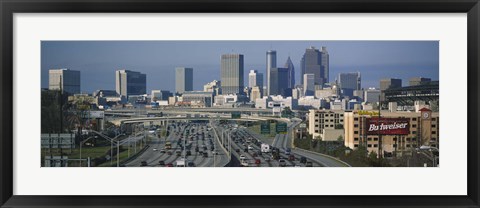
291,73
311,63
325,64
255,93
372,95
64,79
319,120
198,98
422,128
415,81
255,79
183,79
308,84
213,86
279,81
271,63
389,83
348,82
130,83
160,95
231,73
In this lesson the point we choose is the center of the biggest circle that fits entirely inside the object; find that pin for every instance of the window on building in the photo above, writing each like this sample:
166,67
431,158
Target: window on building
414,119
414,139
408,139
414,145
369,145
355,125
355,139
394,145
341,120
375,145
434,139
355,145
375,139
414,132
316,120
331,120
434,145
316,131
355,119
331,125
369,139
395,139
434,132
434,119
355,132
407,145
341,115
316,125
433,125
414,126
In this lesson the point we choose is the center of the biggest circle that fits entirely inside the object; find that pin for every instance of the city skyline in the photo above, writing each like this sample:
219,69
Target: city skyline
98,60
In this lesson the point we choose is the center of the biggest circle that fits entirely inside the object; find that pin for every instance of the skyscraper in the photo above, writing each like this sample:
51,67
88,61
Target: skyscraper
348,82
130,83
311,63
231,73
255,79
65,79
183,79
271,63
325,64
308,84
279,81
291,73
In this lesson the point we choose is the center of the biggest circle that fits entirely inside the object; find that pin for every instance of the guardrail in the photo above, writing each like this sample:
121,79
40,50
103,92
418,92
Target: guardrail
324,155
218,141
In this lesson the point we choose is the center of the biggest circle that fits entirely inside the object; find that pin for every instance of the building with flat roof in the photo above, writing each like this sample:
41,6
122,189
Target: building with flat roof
398,133
64,79
198,98
231,73
315,62
160,95
130,83
318,120
389,83
279,82
348,82
414,81
271,63
183,79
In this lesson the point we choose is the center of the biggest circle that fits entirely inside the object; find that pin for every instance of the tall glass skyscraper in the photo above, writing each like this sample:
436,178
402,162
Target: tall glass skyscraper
231,73
279,81
348,82
315,62
130,83
291,73
271,63
255,79
183,79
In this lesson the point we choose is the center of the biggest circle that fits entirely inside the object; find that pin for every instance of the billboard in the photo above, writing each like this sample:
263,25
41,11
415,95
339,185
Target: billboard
388,126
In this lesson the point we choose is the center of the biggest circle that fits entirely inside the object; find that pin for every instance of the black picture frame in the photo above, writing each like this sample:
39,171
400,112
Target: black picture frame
10,7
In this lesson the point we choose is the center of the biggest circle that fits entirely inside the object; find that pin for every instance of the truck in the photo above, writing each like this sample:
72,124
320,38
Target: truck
266,148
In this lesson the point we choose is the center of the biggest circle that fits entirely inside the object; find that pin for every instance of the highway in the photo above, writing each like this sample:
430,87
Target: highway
197,140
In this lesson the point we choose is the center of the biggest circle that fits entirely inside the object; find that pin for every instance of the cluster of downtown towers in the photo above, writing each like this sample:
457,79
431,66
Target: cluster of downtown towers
279,80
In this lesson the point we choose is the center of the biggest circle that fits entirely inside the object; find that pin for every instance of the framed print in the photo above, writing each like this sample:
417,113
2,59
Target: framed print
246,104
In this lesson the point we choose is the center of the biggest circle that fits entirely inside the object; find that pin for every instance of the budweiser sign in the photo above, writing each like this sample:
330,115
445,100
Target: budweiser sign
388,126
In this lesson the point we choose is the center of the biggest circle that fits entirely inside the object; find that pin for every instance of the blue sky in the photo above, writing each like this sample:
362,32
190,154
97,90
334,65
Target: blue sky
98,60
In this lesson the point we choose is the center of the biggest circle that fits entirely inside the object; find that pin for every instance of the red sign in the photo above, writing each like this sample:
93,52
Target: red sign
388,126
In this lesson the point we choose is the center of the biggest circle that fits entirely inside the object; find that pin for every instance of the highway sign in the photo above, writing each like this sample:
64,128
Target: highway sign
236,115
265,128
281,128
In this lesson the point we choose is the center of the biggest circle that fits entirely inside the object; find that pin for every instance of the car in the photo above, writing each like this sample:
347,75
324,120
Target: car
250,147
188,153
291,157
215,152
309,164
162,151
267,159
155,149
282,163
169,153
242,157
254,154
257,161
178,153
237,150
205,154
245,150
190,164
169,165
161,163
303,160
143,164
